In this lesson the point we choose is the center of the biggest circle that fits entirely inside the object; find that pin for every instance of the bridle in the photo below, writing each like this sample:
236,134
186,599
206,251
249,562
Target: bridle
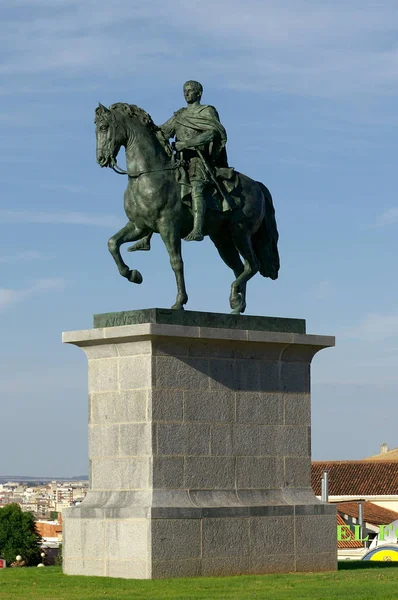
115,167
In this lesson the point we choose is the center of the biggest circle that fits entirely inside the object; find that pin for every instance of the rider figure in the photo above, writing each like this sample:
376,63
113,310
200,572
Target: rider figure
197,127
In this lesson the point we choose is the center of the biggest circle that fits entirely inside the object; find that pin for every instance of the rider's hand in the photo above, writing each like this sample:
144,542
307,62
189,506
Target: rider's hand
179,146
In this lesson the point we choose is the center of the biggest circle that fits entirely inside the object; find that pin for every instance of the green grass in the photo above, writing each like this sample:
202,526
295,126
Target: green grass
50,583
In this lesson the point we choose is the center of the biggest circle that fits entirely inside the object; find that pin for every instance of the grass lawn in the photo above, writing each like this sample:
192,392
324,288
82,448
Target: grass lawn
375,583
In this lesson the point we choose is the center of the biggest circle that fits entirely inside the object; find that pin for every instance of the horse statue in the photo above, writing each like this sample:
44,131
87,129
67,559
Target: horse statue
153,204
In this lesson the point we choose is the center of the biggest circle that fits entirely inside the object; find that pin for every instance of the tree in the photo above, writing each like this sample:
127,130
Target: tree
18,535
54,515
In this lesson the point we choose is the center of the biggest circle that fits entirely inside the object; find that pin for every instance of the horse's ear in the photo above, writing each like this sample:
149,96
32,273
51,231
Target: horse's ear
101,109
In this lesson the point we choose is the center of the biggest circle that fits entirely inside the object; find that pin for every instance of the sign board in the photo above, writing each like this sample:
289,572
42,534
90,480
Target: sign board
3,564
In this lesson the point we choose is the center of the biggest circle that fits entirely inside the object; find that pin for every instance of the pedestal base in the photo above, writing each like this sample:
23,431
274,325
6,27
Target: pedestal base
199,446
190,542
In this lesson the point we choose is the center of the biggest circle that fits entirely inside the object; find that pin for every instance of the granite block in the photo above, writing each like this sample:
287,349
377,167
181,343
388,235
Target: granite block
262,564
103,440
259,408
184,439
298,472
294,441
135,348
170,346
295,377
182,373
174,539
84,539
135,439
128,539
223,374
128,569
269,377
213,348
209,406
223,567
101,351
271,535
248,375
86,566
164,569
135,372
118,407
297,409
102,375
221,440
223,538
213,472
315,533
120,473
262,473
166,405
319,561
168,472
255,440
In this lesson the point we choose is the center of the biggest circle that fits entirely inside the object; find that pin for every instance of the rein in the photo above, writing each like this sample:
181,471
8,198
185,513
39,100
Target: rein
120,171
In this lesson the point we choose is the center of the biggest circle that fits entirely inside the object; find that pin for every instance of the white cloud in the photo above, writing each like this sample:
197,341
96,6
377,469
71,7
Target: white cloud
24,256
314,48
389,217
373,328
9,296
72,218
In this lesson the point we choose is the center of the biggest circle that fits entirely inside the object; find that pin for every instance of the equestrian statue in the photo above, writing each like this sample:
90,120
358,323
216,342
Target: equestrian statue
186,190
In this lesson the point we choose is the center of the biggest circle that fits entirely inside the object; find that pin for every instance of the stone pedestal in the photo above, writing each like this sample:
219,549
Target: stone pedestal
199,448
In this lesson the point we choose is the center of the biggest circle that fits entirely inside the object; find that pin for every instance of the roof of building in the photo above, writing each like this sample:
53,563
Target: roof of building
386,455
357,477
373,514
348,543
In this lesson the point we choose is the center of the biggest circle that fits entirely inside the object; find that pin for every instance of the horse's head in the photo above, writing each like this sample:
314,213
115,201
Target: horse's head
118,124
110,135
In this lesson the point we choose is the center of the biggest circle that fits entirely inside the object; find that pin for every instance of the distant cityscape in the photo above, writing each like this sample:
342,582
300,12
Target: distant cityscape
45,498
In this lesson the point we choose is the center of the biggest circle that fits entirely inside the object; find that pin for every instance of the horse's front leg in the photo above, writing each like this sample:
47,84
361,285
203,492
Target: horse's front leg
170,235
129,233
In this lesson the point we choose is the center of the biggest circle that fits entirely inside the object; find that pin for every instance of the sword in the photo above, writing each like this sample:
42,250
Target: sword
226,201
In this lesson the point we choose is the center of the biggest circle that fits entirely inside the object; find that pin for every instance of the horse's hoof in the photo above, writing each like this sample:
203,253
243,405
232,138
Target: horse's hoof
237,304
177,306
135,276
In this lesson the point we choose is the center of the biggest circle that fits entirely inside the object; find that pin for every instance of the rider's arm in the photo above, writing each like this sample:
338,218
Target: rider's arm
199,140
168,128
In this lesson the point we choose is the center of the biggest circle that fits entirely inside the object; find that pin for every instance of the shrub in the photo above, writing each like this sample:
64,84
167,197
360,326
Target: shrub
18,535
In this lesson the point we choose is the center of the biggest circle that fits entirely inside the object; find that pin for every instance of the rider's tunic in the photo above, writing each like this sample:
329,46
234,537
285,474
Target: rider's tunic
187,123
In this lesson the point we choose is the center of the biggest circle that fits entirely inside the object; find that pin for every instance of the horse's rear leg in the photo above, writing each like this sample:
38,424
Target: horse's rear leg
230,256
129,233
243,244
172,240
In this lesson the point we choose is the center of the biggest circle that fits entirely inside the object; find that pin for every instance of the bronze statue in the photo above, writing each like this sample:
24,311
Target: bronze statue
188,193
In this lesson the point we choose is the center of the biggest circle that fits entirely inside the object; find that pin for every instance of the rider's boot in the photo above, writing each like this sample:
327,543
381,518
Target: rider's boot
198,210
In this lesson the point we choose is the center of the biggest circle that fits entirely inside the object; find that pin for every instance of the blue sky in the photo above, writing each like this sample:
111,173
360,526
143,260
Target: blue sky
308,94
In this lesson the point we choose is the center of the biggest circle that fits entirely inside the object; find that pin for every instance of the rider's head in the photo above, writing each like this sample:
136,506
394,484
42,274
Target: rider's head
193,91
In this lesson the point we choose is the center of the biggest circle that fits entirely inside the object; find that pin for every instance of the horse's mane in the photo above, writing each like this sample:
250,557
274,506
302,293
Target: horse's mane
135,112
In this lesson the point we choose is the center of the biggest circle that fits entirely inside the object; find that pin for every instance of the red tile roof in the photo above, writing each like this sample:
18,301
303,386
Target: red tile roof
357,477
351,542
376,515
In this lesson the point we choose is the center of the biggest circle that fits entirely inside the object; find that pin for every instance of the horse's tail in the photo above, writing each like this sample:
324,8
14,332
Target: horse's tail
265,240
